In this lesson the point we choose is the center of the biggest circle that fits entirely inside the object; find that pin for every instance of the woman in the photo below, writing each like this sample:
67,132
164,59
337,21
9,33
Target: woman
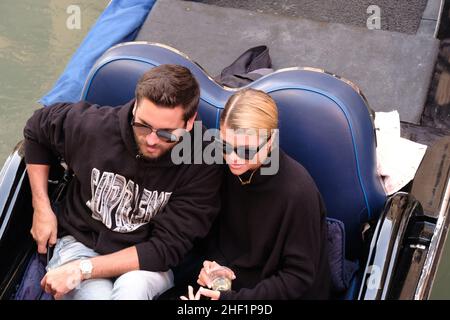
271,231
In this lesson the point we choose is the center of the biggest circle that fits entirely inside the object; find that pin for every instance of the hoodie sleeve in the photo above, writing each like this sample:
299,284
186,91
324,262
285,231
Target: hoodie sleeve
44,134
50,131
300,258
188,216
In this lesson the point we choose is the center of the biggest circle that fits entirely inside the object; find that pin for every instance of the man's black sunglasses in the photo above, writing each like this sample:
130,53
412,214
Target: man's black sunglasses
243,152
165,135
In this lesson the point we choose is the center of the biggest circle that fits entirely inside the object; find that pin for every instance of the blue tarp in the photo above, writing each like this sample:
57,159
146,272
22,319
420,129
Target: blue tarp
119,22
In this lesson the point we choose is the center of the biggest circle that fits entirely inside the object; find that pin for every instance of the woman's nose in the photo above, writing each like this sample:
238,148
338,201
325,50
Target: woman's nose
234,159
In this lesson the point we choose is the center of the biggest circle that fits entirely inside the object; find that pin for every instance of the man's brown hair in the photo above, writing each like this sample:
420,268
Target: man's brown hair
170,85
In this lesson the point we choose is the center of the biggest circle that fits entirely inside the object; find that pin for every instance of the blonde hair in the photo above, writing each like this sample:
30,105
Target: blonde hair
250,109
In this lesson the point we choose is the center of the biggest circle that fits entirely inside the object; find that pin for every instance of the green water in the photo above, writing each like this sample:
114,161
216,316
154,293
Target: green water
441,284
35,46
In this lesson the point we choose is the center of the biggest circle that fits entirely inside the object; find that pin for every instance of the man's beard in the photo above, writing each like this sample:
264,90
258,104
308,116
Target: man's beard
155,158
142,150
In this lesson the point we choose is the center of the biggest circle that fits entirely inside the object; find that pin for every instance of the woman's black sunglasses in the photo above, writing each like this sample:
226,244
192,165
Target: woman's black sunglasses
165,135
243,152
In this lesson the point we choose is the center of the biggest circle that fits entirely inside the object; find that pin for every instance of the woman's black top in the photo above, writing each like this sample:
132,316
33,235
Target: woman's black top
272,233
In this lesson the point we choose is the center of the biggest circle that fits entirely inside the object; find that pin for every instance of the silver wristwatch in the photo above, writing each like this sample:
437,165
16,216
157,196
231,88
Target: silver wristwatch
86,268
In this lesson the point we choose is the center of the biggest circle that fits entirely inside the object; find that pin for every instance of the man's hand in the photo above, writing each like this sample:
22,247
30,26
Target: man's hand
209,266
63,279
44,229
44,220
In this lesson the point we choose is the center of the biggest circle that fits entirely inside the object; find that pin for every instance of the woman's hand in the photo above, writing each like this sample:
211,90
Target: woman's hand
213,295
208,266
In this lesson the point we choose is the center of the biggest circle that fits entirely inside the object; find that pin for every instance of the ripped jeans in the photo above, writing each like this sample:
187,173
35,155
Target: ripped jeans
133,285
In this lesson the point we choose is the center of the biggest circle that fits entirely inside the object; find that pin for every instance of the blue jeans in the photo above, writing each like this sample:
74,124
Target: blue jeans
133,285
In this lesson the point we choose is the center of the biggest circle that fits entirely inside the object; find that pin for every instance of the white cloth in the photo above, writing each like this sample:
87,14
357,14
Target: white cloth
397,158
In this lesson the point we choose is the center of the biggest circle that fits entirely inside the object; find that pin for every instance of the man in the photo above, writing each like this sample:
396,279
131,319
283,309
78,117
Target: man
129,214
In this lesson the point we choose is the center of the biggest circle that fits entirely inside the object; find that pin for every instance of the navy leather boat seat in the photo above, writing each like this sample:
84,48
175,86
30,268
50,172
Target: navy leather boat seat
325,124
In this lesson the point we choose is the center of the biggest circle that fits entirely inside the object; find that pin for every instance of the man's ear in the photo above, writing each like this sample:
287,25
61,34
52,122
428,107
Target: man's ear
190,122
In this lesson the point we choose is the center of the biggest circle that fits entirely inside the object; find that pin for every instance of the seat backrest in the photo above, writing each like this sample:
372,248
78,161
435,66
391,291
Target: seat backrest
325,124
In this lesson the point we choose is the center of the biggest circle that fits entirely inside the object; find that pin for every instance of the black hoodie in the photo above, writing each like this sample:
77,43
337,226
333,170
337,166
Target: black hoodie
272,233
117,198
